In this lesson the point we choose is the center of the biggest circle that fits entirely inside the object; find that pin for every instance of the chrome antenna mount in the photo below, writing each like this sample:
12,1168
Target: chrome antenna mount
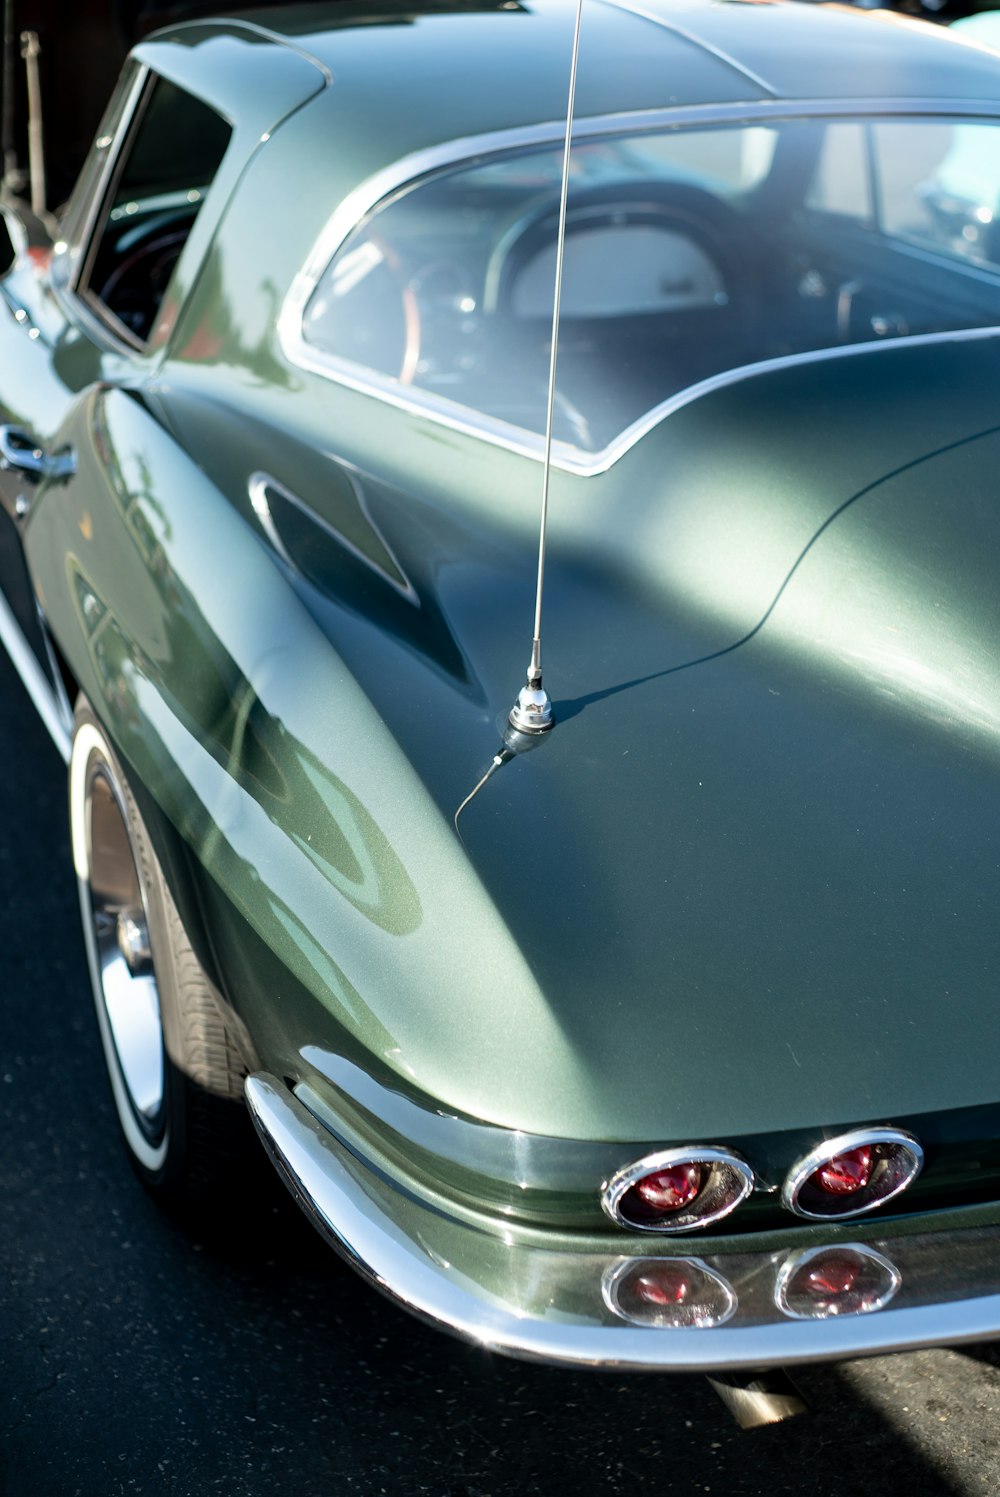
532,712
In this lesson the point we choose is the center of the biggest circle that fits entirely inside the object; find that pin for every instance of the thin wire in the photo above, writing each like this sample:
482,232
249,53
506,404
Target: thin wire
536,646
497,762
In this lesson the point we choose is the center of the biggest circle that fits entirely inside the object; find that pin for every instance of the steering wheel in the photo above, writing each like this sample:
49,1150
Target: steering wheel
637,325
134,289
680,208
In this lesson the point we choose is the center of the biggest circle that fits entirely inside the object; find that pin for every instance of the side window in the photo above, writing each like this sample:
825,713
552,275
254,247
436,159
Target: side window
841,184
166,167
939,186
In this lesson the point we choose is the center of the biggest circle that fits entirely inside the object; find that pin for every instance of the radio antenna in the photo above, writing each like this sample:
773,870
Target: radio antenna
532,712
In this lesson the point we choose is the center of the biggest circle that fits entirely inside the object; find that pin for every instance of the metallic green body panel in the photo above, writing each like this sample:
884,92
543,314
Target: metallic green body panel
264,753
777,49
638,860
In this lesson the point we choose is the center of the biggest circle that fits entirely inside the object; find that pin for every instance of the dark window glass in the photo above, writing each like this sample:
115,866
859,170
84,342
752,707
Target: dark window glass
168,165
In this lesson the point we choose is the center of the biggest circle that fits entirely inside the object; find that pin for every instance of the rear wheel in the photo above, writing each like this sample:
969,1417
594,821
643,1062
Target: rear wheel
176,1077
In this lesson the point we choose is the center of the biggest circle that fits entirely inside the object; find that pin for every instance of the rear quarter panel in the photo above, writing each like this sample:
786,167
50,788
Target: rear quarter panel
263,751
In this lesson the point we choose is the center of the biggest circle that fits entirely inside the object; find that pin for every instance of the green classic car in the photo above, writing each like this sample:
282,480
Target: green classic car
669,1043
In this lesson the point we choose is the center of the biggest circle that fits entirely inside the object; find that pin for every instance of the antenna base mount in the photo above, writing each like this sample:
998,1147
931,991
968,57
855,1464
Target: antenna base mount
532,712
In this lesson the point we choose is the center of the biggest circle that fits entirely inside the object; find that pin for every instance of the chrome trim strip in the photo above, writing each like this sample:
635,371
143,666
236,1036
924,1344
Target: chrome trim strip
260,482
552,1308
858,1138
569,459
392,181
33,678
717,1200
525,1163
71,253
641,11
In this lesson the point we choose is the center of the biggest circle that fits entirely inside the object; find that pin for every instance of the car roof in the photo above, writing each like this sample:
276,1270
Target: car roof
635,53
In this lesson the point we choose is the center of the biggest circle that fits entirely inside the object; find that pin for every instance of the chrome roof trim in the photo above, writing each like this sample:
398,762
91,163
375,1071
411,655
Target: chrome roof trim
393,181
539,1297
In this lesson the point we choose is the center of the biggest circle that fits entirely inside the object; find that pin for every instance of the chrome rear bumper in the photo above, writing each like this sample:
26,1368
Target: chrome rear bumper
519,1293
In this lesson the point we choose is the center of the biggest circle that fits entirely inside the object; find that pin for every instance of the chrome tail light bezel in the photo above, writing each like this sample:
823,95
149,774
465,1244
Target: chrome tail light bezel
899,1161
729,1181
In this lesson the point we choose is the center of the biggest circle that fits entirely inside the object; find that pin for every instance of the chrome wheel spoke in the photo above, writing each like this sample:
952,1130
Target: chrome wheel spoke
127,977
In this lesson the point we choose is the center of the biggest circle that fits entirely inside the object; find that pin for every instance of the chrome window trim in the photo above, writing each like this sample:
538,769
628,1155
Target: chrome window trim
74,256
102,318
380,189
858,1138
70,254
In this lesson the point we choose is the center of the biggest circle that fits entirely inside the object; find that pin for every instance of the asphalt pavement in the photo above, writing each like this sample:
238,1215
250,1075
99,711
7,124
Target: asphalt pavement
140,1355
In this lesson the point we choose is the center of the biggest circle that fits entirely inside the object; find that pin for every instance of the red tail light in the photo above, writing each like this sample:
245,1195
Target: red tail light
852,1174
845,1173
677,1190
668,1190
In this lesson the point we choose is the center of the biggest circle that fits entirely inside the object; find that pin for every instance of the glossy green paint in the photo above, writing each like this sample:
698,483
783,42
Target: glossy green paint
708,834
746,891
756,50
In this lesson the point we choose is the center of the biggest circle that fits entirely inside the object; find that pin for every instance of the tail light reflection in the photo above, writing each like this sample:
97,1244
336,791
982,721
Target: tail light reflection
844,1280
668,1293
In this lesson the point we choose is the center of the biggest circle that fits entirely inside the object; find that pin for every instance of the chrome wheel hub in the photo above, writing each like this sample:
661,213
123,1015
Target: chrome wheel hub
128,989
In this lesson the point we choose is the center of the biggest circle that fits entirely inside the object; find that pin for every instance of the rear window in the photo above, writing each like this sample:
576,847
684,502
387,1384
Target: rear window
689,253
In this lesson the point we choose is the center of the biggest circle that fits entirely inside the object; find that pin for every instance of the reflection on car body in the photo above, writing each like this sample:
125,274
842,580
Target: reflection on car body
678,1053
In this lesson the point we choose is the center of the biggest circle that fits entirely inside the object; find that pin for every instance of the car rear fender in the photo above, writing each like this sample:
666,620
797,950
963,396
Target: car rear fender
255,741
